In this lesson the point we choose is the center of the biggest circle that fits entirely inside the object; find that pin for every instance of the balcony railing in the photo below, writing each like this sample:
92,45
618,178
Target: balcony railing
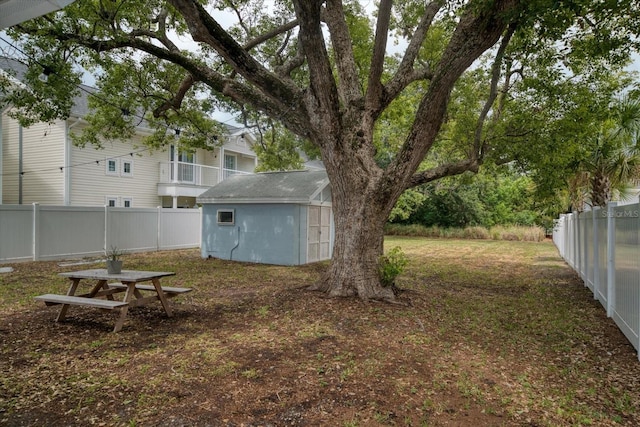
194,174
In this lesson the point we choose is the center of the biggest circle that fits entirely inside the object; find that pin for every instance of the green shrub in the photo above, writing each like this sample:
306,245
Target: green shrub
390,265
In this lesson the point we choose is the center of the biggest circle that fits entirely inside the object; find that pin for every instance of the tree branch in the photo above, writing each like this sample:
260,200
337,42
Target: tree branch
374,87
349,88
235,90
161,34
271,34
404,75
449,169
294,62
205,29
478,144
322,99
477,31
177,99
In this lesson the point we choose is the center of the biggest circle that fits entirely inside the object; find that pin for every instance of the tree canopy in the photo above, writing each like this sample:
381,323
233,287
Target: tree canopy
383,120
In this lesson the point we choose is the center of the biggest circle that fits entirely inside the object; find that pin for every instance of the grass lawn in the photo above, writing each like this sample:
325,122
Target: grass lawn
490,333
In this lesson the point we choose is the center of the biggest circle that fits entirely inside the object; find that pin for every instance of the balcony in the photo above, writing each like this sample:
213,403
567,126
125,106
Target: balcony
190,179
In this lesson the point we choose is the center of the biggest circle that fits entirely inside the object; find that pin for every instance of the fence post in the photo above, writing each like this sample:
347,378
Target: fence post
200,229
561,235
576,241
611,258
596,251
585,249
106,228
159,233
573,242
35,248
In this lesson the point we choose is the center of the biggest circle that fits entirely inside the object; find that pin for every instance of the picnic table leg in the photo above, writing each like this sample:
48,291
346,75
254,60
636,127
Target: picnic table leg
128,296
102,284
65,307
162,297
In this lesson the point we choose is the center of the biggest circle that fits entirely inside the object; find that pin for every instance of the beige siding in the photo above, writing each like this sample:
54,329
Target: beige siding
84,175
239,144
42,156
241,147
208,158
246,163
91,183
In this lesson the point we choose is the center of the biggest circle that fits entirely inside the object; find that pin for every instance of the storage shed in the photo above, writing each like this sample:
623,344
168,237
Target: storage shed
282,218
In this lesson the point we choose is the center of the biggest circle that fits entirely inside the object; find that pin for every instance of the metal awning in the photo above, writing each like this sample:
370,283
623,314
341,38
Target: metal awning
13,12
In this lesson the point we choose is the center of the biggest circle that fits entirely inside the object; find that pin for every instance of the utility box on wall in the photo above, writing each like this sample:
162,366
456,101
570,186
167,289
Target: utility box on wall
281,218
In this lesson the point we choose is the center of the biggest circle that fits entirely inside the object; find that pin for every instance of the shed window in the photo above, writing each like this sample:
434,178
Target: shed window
226,216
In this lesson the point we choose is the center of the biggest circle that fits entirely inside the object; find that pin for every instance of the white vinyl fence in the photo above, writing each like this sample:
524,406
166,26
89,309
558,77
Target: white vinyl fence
602,246
35,232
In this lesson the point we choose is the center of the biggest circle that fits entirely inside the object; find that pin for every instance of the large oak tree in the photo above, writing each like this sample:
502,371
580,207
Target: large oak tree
321,70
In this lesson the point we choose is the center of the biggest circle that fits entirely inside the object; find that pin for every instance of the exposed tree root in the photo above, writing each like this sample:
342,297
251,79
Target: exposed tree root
324,289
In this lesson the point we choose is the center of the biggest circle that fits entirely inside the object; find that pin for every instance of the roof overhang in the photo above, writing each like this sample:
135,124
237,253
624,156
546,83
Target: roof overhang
13,12
230,201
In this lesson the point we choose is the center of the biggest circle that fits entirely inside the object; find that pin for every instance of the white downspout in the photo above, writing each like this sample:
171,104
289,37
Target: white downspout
67,161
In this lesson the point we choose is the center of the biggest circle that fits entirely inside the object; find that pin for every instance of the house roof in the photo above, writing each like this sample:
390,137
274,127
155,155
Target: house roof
268,187
16,70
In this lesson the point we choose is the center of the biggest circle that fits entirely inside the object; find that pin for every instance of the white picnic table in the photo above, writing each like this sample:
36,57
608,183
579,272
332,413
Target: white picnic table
101,295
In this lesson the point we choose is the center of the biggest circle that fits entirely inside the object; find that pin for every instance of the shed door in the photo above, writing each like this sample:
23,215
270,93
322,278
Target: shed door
319,233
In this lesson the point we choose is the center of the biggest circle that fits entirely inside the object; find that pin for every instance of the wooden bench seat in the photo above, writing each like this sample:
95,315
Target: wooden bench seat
167,289
53,299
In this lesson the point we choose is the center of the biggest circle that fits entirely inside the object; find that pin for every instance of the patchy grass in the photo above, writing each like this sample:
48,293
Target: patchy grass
492,333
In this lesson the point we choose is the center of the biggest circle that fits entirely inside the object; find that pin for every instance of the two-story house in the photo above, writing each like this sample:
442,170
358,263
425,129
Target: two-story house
41,164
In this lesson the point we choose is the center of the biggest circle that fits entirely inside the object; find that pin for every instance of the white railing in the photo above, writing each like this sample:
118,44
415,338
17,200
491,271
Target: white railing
602,245
194,174
34,232
189,173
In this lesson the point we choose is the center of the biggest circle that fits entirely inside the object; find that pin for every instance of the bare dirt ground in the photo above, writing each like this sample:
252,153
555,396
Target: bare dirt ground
489,334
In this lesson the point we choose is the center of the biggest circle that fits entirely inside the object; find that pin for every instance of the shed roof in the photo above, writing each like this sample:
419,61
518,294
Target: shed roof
268,187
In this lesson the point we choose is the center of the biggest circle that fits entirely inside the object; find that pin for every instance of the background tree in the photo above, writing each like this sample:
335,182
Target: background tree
613,161
495,196
320,69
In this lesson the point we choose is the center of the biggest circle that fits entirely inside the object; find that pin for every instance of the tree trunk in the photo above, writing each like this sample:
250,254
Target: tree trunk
361,208
600,189
356,252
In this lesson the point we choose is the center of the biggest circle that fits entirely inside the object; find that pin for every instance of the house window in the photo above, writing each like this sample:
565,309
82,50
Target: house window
127,202
230,162
230,165
226,216
112,167
112,202
127,168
